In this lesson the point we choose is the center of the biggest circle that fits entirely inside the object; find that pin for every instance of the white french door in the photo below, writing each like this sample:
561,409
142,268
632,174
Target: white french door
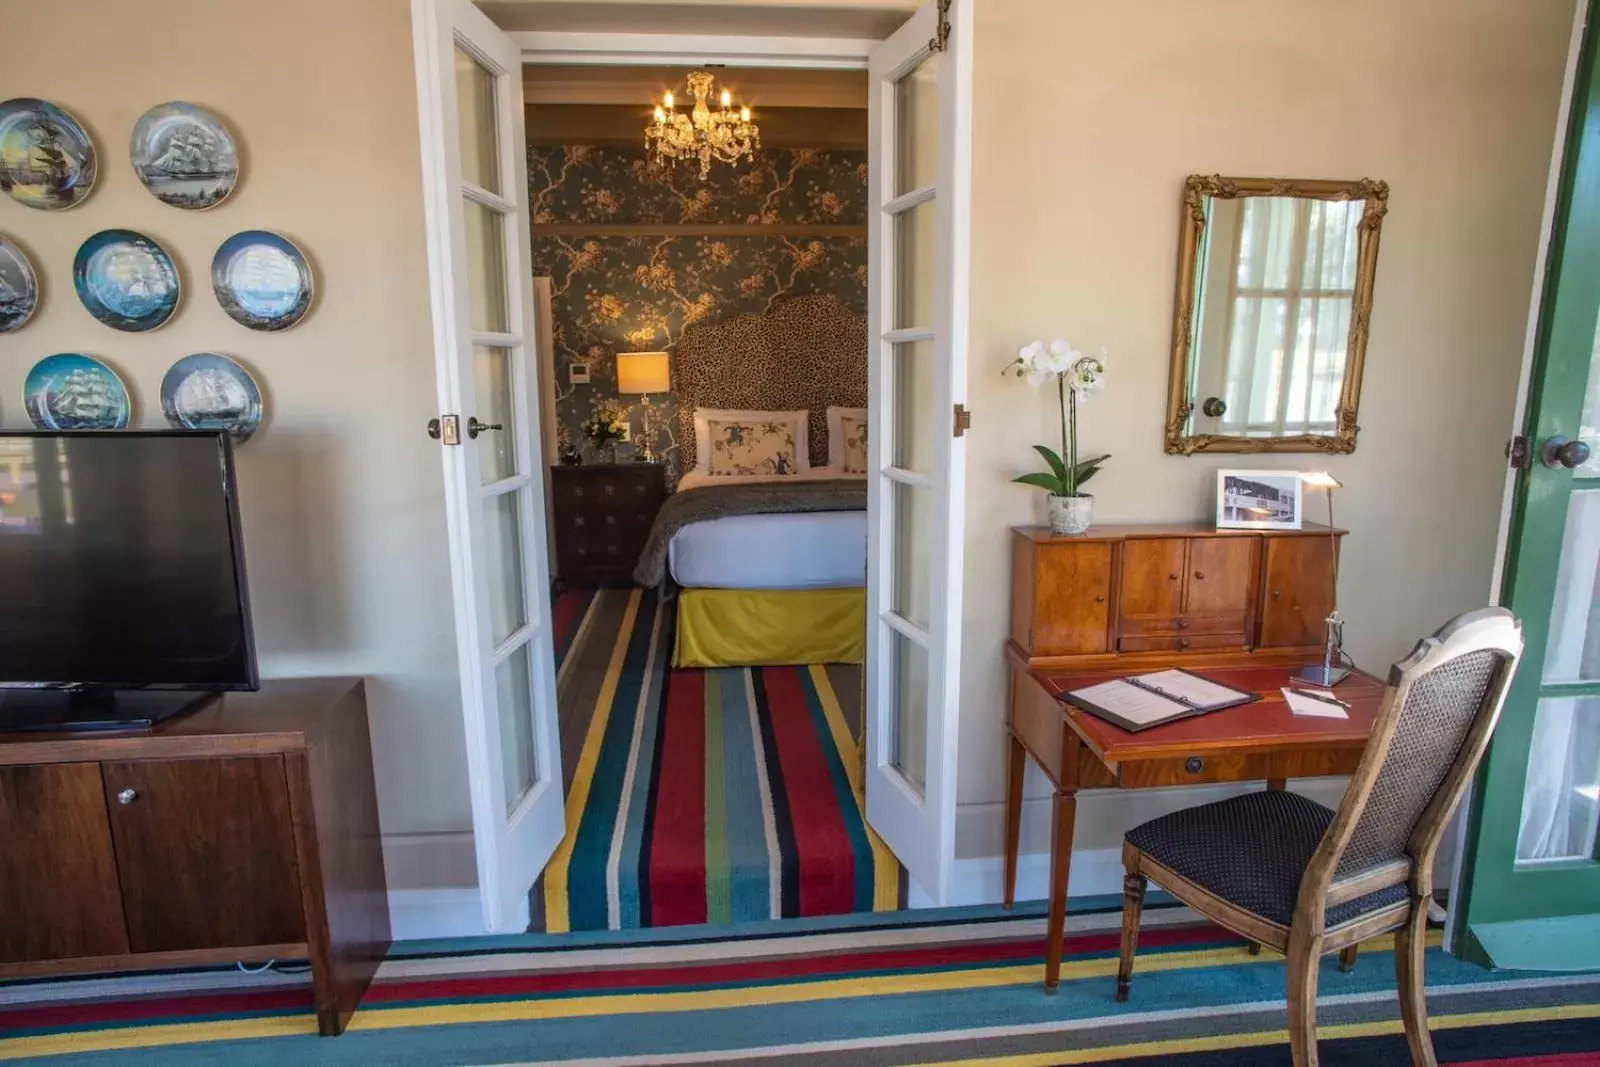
475,185
919,163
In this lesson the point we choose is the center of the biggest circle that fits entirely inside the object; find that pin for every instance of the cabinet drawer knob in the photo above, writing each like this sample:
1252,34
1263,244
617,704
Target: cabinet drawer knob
1183,642
1200,575
1194,764
127,796
1183,624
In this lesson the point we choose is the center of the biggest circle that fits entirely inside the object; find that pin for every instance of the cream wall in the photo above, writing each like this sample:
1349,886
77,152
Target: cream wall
342,493
1087,118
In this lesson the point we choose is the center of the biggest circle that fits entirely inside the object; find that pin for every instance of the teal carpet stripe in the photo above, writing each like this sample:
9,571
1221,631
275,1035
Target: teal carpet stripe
749,862
844,796
642,757
586,880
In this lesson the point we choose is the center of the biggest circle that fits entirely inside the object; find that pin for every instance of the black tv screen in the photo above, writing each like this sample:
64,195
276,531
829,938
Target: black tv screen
121,563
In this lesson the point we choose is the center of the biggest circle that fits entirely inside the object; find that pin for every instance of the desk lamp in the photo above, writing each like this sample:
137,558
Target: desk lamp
1331,671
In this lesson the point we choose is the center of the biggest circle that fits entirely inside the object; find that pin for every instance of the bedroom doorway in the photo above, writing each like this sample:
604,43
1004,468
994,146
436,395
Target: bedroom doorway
903,703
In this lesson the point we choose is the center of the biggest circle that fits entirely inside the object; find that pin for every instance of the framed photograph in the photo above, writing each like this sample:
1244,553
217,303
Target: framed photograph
1258,500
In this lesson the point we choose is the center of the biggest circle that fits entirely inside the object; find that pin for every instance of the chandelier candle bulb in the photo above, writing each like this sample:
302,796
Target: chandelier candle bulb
667,100
727,99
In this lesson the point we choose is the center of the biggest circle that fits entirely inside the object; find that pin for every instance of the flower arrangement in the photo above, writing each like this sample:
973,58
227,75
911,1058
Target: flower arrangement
607,426
1076,376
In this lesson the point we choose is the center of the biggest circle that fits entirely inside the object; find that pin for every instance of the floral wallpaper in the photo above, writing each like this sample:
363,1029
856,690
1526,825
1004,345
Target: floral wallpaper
615,293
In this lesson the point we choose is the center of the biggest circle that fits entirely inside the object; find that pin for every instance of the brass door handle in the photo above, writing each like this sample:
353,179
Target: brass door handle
474,427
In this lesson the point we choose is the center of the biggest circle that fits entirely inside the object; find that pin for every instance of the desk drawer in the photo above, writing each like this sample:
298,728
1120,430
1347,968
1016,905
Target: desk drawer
1184,625
1184,643
1236,767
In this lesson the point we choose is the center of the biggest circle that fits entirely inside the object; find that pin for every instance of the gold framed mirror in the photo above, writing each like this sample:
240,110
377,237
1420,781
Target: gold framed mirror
1269,331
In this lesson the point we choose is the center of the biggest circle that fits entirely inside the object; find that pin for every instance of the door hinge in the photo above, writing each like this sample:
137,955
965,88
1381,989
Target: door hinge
446,429
963,420
941,33
1517,452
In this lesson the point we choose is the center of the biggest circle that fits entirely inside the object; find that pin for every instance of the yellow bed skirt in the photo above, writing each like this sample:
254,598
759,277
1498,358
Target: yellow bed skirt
770,627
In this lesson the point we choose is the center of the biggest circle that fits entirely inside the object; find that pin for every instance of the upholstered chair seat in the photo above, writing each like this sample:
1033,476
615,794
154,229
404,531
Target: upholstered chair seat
1252,851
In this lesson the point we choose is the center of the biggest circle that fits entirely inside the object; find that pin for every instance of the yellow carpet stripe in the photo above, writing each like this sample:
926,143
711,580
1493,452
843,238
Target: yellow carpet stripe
885,868
557,918
1065,1057
630,1003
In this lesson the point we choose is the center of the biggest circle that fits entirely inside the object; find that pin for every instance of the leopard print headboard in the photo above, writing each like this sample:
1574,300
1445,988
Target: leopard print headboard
810,352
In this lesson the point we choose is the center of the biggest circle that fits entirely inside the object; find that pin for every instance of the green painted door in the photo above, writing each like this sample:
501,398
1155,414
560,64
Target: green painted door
1529,894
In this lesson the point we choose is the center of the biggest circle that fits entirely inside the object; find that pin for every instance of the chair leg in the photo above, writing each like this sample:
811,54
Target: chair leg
1304,956
1254,948
1409,945
1347,958
1133,887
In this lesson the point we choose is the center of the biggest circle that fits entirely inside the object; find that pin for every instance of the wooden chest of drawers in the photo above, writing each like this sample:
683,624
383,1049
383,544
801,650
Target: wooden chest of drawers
1165,591
603,514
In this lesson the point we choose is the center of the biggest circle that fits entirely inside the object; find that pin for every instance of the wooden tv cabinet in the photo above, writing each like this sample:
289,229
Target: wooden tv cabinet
245,830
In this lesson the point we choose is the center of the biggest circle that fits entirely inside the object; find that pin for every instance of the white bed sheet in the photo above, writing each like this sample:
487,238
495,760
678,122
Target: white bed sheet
809,550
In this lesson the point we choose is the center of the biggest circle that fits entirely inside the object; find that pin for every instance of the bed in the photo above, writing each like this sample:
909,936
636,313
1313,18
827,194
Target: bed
767,569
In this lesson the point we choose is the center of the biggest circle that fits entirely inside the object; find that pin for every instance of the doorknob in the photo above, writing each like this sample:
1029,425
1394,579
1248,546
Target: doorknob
474,427
1560,452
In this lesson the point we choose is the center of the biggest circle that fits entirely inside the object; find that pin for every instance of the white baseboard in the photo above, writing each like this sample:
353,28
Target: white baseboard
981,879
415,914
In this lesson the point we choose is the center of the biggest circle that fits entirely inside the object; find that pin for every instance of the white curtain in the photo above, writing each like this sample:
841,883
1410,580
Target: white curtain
1562,800
1292,285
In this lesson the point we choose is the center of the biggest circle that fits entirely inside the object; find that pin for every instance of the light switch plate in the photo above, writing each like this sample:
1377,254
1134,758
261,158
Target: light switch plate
578,374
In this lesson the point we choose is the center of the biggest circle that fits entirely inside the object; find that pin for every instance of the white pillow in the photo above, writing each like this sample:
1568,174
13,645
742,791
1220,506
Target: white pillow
837,458
702,433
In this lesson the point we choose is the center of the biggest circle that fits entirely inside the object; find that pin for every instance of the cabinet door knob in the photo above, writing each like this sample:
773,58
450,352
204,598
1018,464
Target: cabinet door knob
1101,599
1276,593
1172,577
127,796
1200,575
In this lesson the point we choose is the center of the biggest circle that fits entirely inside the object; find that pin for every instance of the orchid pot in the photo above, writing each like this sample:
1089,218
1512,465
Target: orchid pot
1076,376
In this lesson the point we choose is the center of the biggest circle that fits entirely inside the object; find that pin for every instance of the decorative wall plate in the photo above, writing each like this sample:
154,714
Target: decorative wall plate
262,280
207,391
71,391
47,159
126,280
185,156
19,287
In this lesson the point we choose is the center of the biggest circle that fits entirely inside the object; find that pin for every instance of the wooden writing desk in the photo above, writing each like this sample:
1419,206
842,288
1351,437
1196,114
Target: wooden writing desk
1262,741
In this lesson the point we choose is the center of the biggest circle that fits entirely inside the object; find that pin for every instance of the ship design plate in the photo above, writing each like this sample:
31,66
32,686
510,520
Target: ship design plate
126,280
262,280
47,159
185,156
207,391
71,391
19,287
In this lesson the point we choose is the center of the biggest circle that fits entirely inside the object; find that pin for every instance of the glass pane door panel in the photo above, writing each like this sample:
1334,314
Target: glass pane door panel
486,268
914,237
913,400
916,106
1589,427
508,609
513,683
913,535
1561,807
908,727
1573,651
497,449
475,92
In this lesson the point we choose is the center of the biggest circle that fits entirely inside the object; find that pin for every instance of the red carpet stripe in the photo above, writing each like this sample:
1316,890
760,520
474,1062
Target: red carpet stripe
677,832
826,879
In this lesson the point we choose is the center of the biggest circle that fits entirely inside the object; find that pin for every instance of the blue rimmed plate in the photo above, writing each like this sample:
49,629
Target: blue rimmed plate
47,159
262,280
72,391
19,287
207,391
126,280
185,156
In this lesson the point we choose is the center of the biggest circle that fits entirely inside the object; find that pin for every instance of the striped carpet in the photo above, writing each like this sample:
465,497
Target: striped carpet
701,796
959,986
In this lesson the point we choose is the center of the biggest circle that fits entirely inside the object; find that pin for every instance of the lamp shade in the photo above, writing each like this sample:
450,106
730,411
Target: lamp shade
643,372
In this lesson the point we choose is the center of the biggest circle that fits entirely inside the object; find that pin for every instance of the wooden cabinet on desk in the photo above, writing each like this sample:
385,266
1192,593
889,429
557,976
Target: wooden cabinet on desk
1165,592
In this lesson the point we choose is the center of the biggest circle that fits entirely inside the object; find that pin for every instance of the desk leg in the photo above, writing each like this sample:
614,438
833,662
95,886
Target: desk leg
1016,764
1277,784
1064,815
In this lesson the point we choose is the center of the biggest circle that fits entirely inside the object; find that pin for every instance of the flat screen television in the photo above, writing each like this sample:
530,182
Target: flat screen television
122,583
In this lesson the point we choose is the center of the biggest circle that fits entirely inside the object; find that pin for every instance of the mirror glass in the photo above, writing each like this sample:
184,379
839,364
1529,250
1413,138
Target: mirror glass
1274,289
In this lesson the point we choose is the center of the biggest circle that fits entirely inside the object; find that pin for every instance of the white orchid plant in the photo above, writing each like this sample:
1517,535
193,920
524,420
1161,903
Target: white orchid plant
1076,376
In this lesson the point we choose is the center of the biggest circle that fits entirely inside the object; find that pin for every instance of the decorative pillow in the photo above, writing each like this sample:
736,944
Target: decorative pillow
765,460
847,439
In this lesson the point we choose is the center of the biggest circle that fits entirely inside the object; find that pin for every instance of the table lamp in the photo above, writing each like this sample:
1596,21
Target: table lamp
640,374
1331,671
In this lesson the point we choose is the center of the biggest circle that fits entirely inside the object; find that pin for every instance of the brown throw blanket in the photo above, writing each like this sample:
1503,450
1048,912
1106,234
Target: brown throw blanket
758,498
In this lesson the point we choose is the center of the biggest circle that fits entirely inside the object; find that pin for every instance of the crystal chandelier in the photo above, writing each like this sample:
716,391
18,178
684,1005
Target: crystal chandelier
702,134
